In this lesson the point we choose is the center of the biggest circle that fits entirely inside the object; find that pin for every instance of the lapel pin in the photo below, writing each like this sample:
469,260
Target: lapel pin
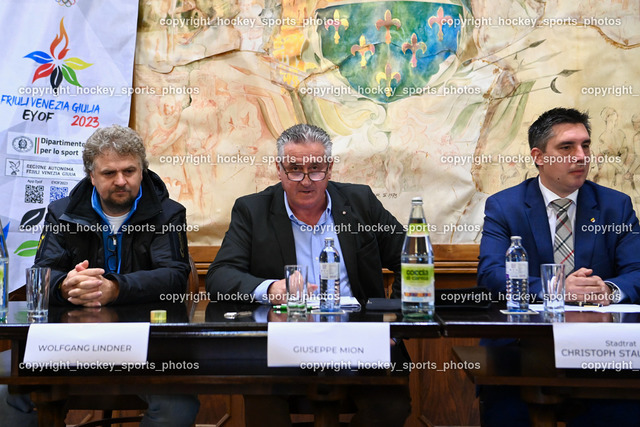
593,220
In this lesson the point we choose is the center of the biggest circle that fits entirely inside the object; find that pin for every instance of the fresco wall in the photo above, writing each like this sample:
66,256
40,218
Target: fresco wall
421,98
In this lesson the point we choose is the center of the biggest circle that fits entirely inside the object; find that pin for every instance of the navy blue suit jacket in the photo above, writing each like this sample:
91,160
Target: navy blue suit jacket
606,238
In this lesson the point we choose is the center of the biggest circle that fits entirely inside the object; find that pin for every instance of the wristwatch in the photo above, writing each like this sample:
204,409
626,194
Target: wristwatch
616,296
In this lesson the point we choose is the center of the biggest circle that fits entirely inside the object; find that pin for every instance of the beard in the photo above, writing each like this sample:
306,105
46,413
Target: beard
118,205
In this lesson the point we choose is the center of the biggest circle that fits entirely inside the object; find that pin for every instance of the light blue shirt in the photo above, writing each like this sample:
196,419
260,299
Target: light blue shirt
309,241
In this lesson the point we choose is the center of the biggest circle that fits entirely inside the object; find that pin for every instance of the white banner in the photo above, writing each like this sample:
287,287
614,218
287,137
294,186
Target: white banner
66,70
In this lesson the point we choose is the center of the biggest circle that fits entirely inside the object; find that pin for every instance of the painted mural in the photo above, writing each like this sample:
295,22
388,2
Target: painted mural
421,98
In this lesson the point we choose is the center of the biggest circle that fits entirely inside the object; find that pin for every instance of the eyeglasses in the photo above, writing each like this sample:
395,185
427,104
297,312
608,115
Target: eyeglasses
299,176
112,254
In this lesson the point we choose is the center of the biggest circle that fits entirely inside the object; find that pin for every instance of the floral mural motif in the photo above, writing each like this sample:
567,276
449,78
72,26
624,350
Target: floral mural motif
408,42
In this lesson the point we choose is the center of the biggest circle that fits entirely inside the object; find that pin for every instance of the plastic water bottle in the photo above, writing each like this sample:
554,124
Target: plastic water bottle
4,276
329,277
517,264
418,284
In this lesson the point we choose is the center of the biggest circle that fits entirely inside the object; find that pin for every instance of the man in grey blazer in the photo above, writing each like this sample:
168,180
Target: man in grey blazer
286,224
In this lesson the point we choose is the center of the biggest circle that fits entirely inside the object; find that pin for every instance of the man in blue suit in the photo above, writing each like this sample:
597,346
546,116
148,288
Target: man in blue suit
606,261
600,248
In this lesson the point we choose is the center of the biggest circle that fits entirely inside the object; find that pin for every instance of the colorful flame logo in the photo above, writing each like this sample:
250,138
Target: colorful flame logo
55,66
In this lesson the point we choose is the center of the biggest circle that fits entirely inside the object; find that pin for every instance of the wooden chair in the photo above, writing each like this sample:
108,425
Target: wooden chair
193,287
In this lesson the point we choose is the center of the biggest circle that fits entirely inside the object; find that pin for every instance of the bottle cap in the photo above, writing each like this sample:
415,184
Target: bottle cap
158,316
416,199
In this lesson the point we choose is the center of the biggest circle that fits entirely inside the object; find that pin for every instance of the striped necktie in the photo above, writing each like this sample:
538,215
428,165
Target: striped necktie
563,251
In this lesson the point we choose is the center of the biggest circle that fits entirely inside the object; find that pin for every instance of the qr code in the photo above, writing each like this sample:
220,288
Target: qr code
34,193
56,193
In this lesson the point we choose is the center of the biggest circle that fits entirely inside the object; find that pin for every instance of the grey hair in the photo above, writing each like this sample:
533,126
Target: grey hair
304,134
123,140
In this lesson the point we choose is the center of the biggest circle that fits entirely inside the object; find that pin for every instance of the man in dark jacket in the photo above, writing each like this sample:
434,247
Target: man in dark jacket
287,224
118,239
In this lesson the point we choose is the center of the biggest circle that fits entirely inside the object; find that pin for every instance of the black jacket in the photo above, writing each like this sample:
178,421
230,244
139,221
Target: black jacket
260,242
155,258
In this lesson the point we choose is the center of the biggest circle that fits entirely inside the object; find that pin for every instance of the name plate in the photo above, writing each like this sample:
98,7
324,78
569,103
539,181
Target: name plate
335,345
597,346
76,344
